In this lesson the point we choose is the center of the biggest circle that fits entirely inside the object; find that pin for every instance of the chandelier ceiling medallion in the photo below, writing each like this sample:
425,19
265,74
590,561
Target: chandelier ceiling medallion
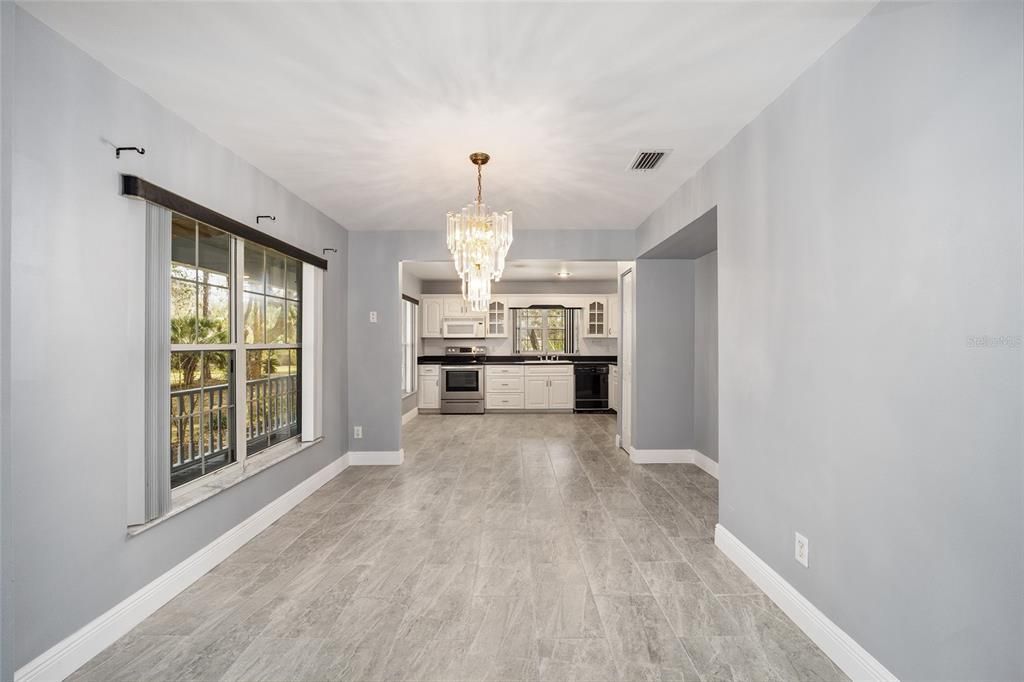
479,242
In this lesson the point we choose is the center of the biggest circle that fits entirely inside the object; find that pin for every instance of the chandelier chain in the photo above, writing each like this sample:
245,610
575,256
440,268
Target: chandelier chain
479,184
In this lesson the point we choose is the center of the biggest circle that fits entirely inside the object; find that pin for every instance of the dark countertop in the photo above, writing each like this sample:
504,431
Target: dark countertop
520,359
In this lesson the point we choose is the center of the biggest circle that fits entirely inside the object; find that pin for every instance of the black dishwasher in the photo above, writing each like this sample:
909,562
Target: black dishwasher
591,386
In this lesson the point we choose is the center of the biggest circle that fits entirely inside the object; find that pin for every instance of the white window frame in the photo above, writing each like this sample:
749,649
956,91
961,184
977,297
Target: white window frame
410,336
571,342
150,496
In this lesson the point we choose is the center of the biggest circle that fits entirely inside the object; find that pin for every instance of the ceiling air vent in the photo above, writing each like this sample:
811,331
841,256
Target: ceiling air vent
648,160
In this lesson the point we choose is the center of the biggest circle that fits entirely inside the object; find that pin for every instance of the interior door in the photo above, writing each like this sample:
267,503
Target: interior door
626,368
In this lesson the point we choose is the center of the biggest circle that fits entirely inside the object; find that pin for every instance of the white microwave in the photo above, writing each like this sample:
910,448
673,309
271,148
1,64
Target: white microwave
463,328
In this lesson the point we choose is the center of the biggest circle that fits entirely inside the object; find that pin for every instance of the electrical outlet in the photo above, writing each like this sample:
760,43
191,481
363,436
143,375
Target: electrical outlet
357,431
802,549
373,316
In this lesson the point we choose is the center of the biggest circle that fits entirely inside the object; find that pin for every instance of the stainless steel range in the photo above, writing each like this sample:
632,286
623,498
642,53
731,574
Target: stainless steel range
462,380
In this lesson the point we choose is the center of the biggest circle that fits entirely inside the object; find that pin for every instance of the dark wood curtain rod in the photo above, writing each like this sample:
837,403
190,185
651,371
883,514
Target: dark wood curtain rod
133,186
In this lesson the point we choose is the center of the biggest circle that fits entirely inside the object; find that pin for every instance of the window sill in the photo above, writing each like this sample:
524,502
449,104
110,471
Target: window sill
189,496
406,395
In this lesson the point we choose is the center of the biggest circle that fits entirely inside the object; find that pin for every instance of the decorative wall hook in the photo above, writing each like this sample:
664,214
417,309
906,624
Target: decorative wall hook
329,249
118,150
272,218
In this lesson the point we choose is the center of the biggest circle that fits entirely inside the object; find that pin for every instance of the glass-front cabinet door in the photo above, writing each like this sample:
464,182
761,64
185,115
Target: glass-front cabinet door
497,318
596,317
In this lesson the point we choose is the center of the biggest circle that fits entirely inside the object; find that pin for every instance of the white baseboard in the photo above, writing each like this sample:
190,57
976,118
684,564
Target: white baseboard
381,457
660,456
674,457
74,651
851,657
706,463
410,415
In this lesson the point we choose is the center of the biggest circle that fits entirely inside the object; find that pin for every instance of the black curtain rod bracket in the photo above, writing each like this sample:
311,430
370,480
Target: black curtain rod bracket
118,150
329,249
272,218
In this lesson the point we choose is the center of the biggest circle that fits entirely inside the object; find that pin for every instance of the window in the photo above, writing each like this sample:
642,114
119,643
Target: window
213,274
202,355
545,330
410,316
234,332
270,302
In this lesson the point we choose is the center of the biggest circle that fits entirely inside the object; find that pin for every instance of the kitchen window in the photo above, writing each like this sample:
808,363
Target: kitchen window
545,330
410,317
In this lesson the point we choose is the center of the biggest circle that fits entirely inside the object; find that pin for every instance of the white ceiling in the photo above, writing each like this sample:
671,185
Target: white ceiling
369,110
520,270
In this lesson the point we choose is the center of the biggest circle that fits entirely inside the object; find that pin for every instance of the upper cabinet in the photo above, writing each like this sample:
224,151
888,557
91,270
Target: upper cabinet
431,315
612,320
599,318
595,316
497,318
457,306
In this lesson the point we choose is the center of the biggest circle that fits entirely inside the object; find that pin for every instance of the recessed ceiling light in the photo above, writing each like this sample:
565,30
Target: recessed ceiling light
563,274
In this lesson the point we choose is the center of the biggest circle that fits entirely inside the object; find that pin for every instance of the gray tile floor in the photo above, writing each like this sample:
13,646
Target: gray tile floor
507,547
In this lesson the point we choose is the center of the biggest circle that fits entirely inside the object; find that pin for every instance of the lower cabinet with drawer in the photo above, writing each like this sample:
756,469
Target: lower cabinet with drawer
504,401
504,384
529,387
503,387
428,389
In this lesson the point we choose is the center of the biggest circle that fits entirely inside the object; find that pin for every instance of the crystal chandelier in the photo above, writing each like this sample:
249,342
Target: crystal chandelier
479,242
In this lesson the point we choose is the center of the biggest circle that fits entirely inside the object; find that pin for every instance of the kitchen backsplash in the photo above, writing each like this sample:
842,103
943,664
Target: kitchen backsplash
588,346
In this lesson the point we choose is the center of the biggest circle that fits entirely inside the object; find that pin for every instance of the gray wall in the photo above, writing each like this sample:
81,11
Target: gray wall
705,355
869,226
663,359
374,348
6,64
77,306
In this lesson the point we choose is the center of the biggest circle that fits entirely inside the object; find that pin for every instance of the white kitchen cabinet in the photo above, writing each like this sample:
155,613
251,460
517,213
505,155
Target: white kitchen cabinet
536,393
561,393
497,318
504,401
456,306
549,387
503,386
431,314
595,317
612,322
504,370
428,390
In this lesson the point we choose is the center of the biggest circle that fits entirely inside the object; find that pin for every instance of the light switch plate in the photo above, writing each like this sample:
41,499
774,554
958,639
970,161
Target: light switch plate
801,549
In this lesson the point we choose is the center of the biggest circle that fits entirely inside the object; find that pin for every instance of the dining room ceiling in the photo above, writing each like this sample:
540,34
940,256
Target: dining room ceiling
369,110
